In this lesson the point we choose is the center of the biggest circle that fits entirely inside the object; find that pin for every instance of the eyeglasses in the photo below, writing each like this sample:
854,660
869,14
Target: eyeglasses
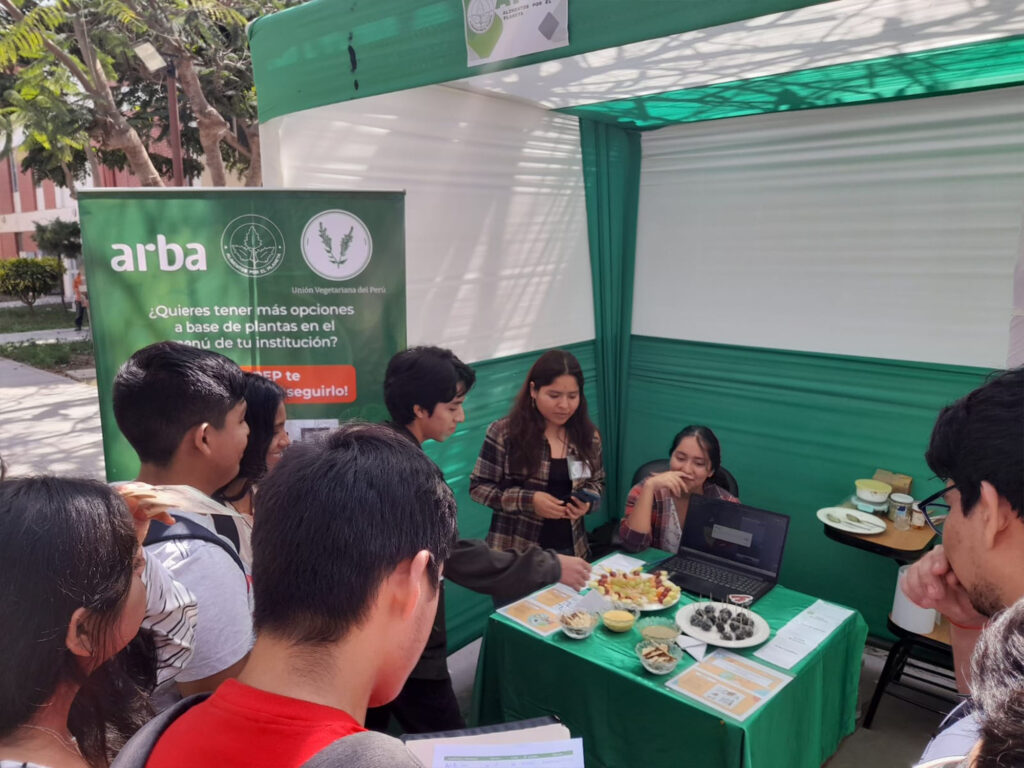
935,509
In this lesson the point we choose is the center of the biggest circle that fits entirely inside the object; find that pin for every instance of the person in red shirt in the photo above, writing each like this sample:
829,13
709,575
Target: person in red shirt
348,549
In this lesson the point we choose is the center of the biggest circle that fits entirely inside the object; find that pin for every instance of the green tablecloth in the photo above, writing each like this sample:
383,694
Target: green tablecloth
628,719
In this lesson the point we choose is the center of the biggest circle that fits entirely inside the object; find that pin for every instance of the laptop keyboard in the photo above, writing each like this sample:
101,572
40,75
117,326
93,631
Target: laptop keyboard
712,573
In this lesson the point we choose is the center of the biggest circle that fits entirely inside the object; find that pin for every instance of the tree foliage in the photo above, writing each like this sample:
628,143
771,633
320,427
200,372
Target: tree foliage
28,279
83,98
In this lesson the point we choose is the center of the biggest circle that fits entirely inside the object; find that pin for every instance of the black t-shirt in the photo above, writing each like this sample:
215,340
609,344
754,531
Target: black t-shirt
557,534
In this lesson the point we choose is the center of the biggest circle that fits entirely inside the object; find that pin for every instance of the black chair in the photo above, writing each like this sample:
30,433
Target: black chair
939,693
723,477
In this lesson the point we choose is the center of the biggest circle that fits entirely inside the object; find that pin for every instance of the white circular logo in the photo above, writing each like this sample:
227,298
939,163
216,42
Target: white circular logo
480,15
252,245
336,245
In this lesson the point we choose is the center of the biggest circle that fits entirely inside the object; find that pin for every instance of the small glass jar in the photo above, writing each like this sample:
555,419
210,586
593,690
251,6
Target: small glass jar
916,517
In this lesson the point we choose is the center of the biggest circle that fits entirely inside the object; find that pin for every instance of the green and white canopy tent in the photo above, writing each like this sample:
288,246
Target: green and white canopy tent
743,214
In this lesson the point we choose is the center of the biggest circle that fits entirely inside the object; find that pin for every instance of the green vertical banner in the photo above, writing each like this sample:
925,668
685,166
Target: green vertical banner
305,287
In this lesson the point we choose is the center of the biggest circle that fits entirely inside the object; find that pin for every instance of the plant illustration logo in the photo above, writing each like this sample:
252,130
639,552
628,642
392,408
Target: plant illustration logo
336,245
480,15
252,245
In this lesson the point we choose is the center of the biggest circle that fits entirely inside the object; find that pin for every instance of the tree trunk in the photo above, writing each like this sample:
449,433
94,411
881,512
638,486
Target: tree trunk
254,178
60,281
94,166
123,136
212,126
117,131
69,180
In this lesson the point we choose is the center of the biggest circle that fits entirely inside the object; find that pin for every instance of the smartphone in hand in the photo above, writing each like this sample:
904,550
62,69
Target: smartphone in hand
586,496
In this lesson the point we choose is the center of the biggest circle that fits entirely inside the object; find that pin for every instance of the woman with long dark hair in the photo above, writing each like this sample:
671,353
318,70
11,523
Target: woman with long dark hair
656,507
540,467
72,596
265,414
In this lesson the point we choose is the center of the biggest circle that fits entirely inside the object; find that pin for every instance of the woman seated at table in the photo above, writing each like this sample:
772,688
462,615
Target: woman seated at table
535,459
656,507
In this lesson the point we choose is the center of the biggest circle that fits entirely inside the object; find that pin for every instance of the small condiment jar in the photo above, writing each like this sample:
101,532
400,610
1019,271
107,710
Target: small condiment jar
916,516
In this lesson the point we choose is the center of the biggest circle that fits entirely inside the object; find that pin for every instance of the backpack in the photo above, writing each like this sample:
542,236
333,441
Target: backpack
184,528
367,749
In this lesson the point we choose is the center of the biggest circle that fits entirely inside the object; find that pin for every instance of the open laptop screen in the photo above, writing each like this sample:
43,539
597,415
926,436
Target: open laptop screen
749,537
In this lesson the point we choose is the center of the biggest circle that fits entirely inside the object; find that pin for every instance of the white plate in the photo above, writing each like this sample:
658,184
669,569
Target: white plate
869,524
711,637
647,606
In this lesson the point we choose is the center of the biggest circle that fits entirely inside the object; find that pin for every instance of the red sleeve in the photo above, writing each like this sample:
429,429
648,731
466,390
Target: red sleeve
631,540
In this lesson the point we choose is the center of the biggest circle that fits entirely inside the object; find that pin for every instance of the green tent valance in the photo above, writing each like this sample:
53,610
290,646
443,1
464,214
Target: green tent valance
929,73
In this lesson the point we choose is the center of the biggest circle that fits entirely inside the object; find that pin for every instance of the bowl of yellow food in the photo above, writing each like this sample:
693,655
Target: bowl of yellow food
621,618
579,624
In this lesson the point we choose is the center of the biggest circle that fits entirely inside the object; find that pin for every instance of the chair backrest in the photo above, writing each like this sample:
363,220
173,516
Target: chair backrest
650,468
723,477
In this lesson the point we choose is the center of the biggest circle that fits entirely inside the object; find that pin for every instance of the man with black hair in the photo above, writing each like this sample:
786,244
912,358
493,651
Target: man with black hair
183,411
977,449
347,579
424,390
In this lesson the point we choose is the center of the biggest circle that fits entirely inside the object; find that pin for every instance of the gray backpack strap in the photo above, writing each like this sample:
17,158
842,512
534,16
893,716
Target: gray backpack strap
136,752
367,749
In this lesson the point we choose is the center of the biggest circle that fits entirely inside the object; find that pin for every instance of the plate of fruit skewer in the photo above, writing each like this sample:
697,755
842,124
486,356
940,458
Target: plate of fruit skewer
646,591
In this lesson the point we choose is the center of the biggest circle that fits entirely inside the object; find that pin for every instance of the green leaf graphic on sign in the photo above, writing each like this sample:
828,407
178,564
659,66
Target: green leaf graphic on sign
326,240
343,247
248,252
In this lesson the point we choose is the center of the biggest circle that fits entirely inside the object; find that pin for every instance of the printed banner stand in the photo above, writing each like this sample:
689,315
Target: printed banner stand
305,287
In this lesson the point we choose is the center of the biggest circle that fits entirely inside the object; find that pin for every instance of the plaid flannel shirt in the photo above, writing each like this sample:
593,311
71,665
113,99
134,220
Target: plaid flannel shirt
633,541
514,525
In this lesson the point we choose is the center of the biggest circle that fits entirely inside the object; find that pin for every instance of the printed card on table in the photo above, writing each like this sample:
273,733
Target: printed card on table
540,611
729,683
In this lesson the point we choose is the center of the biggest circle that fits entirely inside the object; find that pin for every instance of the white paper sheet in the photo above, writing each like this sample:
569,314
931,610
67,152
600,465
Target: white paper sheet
617,562
803,633
547,754
692,646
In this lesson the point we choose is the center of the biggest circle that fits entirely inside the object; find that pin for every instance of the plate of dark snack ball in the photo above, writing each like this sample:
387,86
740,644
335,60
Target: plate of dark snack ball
722,624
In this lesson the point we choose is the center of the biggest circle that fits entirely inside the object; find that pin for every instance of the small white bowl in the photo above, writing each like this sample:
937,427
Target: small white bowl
873,491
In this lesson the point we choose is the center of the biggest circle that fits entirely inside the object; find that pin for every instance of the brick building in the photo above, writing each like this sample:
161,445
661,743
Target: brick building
23,203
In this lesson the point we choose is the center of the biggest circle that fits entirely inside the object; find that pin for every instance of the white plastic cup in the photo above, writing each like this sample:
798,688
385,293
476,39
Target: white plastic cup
909,615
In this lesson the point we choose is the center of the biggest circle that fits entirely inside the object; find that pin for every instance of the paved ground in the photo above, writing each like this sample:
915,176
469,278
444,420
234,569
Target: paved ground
39,302
48,423
46,337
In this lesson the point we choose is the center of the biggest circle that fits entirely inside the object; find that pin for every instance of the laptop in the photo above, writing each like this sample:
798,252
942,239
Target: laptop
728,548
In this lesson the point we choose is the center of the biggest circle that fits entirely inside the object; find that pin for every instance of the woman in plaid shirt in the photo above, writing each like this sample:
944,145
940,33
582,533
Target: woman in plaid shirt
536,458
656,508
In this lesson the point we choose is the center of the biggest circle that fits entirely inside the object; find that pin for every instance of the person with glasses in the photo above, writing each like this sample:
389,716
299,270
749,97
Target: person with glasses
977,450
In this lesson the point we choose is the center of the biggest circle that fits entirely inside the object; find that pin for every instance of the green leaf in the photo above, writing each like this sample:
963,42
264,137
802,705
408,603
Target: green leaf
252,238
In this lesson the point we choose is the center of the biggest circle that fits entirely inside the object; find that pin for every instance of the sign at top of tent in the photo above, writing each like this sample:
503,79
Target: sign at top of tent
305,287
503,29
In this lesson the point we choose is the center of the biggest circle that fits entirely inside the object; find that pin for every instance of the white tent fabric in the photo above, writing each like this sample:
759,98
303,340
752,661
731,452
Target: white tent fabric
885,230
1015,357
805,38
496,232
